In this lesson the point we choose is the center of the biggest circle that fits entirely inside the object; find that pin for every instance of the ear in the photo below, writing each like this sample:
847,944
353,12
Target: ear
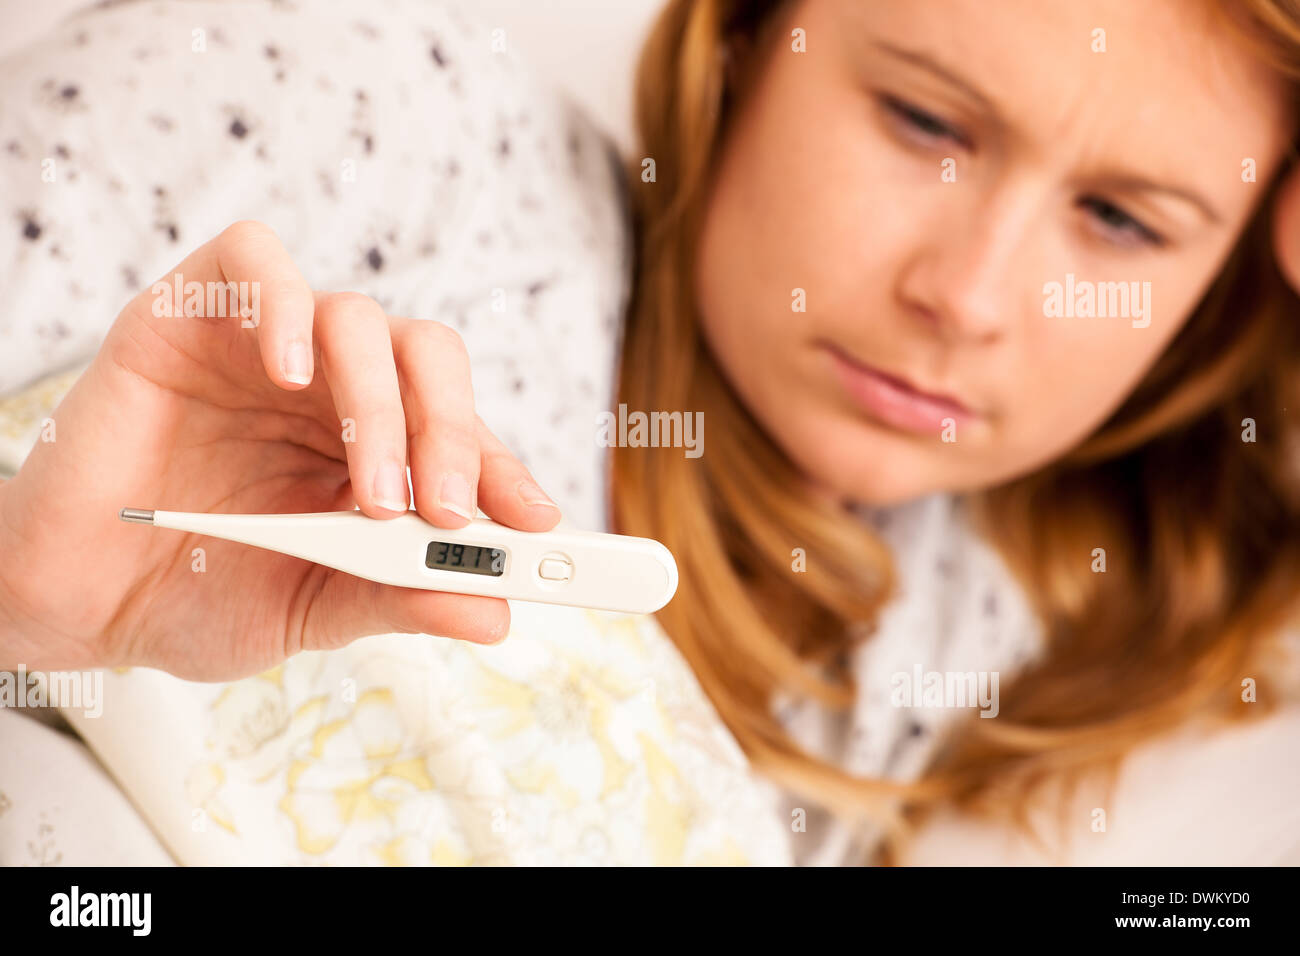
1286,227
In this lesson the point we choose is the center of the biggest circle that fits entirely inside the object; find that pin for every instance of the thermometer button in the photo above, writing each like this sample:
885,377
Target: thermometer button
555,567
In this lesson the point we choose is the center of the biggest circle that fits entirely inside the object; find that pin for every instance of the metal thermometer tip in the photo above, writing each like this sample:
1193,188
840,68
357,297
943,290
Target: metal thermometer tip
136,515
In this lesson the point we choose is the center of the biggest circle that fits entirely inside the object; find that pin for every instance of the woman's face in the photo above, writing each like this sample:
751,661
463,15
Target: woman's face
924,173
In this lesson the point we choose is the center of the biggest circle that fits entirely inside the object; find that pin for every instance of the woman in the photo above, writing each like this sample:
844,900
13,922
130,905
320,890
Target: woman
851,221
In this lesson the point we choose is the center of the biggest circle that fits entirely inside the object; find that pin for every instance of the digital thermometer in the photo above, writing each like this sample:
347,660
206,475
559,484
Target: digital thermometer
607,572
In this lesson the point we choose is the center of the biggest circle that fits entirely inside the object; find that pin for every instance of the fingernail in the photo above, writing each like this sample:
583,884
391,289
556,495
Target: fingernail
390,486
455,496
297,363
532,495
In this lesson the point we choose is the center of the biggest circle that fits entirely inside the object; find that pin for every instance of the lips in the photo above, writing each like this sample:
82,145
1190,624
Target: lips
893,400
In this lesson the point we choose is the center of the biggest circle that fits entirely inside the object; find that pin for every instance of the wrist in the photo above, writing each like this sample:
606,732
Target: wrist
18,645
9,651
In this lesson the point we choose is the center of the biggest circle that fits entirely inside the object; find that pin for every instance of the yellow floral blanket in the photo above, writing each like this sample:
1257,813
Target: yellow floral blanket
583,739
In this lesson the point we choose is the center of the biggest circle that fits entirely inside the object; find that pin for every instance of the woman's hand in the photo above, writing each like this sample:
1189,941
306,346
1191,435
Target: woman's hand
318,408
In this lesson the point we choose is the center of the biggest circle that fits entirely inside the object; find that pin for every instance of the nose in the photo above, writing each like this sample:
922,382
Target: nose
968,278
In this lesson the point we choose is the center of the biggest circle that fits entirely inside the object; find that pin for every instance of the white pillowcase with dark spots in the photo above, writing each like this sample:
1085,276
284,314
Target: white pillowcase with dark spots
399,156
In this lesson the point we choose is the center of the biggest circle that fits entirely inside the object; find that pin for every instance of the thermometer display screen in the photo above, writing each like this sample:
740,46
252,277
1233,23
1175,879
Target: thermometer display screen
469,558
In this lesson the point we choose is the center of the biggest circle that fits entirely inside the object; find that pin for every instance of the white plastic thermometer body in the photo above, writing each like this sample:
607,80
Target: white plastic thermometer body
609,572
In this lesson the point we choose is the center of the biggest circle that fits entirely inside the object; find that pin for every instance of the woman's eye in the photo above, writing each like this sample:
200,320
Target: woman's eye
919,126
1118,226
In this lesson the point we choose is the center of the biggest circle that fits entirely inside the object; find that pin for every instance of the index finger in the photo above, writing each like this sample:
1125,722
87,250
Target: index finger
242,278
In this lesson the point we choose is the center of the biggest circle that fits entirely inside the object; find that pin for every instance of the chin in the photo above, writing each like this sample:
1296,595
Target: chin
885,493
861,465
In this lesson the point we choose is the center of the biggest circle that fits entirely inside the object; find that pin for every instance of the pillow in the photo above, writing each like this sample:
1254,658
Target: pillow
582,739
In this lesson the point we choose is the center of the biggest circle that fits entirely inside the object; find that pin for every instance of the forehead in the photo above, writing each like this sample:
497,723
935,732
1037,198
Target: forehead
1170,80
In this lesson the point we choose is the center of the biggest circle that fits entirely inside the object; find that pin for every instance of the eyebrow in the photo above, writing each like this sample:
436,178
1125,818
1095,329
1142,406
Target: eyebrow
1128,183
929,64
1118,183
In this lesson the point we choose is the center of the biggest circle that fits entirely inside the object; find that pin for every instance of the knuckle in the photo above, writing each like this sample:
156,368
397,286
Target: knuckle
500,462
352,303
281,293
381,426
454,440
245,231
439,339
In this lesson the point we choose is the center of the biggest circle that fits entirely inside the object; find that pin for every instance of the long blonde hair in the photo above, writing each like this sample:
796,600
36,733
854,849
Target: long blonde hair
1202,530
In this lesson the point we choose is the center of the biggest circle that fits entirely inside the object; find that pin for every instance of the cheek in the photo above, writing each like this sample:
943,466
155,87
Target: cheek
747,263
799,226
806,205
1074,374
